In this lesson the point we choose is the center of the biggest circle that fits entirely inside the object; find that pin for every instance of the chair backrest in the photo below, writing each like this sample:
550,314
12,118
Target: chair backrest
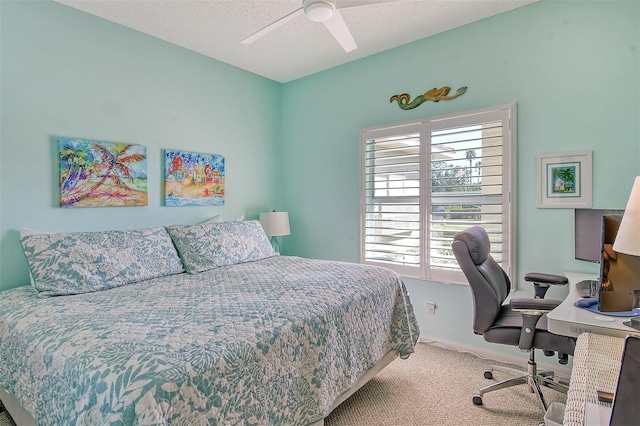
489,283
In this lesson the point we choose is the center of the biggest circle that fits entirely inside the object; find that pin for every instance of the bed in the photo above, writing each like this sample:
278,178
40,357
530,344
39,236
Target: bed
268,339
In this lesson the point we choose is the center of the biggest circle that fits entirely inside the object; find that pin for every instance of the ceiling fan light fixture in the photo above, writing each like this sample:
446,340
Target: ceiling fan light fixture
319,11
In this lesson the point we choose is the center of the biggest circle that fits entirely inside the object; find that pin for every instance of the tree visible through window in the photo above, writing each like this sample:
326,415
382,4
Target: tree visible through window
425,181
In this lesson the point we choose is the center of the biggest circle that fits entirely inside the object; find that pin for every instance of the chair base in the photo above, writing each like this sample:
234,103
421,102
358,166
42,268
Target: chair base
532,377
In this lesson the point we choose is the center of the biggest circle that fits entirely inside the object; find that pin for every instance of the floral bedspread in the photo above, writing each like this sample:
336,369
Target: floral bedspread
274,341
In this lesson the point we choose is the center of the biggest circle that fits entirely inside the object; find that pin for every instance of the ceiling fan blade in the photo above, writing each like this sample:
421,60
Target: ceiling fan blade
266,30
344,4
339,30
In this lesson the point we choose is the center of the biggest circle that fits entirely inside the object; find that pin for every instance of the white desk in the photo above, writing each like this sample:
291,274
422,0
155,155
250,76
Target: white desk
568,320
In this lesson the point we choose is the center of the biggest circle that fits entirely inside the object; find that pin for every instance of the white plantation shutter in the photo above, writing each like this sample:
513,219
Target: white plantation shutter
425,181
392,214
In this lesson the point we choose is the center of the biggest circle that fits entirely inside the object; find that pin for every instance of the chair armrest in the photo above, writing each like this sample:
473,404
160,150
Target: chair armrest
539,277
531,311
541,282
520,304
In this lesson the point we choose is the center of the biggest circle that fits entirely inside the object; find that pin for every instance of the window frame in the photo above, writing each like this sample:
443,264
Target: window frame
507,114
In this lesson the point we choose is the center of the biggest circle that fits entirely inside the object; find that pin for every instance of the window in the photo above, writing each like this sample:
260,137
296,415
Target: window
424,181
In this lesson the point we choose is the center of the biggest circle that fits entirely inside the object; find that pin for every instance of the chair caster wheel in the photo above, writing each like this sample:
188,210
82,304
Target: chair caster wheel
488,374
477,399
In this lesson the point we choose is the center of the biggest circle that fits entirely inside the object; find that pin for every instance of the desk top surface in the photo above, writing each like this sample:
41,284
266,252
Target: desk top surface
568,320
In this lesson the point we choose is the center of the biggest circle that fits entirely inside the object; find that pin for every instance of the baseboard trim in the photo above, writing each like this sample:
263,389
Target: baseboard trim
562,371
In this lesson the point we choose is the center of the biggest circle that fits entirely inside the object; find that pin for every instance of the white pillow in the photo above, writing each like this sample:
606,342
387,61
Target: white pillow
217,218
25,232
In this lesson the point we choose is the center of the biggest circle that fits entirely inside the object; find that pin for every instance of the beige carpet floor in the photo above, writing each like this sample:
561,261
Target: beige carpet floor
435,386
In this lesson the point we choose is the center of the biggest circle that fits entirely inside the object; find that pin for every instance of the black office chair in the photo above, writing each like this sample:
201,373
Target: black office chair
521,322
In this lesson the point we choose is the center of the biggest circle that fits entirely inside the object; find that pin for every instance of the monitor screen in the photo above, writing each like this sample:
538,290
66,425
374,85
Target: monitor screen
588,236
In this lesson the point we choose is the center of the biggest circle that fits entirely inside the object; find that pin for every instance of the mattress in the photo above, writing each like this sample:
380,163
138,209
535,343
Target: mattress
274,341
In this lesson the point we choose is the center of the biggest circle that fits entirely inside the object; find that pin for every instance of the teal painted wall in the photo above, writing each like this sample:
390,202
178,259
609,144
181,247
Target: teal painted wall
67,73
572,67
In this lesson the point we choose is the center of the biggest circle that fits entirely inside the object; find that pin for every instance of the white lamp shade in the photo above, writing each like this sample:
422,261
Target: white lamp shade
628,237
275,224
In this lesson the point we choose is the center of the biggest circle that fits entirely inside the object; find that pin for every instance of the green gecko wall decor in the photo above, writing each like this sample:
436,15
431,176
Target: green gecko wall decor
435,95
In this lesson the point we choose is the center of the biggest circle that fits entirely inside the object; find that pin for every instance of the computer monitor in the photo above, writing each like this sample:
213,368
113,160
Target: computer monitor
619,272
588,233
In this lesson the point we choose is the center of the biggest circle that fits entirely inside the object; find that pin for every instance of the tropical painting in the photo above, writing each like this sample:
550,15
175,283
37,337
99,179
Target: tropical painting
563,179
193,179
102,174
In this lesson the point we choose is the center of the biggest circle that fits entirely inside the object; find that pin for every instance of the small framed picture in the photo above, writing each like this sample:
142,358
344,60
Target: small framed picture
564,180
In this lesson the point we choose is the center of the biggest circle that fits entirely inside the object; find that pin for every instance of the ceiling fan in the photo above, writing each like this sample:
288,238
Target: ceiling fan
325,11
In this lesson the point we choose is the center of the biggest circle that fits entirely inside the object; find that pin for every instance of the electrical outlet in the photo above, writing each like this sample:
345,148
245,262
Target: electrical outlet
431,308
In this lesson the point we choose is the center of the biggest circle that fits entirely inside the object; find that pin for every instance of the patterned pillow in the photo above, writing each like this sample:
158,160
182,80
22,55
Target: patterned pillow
214,244
81,262
28,231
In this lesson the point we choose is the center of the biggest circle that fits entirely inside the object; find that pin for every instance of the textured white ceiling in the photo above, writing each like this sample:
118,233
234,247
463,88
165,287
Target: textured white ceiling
299,48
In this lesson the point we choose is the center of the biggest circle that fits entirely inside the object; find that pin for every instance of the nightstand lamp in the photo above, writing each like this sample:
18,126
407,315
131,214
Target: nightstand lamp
628,238
275,224
627,242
